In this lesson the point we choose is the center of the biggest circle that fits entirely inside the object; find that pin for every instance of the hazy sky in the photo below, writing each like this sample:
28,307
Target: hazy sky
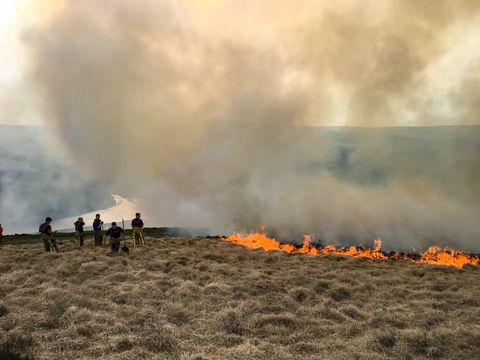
326,51
18,100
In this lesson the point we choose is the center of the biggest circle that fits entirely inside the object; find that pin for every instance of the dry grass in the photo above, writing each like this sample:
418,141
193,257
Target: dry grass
199,298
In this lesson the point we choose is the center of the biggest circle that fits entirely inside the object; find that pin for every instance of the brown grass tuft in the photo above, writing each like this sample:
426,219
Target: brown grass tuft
162,341
3,310
124,345
16,346
340,294
383,342
230,323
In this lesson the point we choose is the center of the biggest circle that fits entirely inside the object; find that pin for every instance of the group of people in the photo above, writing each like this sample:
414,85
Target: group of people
115,233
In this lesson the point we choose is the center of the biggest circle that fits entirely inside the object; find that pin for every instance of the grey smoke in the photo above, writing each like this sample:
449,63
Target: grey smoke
35,182
206,123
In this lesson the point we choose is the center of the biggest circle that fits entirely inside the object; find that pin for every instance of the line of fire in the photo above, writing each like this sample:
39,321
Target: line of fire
434,255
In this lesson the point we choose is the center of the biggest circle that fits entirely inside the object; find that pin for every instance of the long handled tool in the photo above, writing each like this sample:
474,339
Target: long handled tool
104,238
124,247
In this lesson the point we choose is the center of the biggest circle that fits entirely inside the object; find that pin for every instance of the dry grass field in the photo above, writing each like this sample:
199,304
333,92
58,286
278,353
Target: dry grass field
179,298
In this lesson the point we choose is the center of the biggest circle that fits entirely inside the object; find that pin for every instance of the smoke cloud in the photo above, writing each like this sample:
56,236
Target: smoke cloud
36,183
204,109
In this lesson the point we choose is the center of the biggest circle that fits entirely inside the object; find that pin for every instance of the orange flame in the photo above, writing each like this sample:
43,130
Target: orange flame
447,256
434,255
258,240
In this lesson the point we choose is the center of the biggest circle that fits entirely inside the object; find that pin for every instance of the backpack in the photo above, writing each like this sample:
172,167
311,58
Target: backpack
42,227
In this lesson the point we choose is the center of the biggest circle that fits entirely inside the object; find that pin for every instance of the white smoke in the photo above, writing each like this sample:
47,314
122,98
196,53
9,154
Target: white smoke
197,107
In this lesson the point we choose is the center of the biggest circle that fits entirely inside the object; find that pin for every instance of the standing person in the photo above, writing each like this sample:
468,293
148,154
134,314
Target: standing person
46,234
79,224
97,230
137,230
114,232
1,233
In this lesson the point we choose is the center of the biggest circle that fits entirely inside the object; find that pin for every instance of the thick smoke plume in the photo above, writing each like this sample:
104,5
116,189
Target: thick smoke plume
202,109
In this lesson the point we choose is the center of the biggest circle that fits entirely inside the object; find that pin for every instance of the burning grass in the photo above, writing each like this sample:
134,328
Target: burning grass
179,298
434,255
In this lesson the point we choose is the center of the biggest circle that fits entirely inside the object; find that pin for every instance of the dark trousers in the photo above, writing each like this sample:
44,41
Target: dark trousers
80,237
98,237
115,244
49,243
138,236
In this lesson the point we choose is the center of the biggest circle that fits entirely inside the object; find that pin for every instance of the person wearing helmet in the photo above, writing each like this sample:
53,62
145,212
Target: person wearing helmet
47,235
79,224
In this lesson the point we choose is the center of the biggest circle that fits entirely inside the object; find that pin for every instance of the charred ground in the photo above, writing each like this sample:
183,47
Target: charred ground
198,298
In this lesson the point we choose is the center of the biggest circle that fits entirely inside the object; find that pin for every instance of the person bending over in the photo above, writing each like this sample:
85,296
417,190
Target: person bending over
115,232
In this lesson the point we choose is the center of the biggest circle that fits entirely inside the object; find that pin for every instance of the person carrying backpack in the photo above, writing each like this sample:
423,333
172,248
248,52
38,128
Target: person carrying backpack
46,234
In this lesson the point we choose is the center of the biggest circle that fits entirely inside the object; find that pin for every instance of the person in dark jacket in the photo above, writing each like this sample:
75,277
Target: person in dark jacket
97,230
115,232
47,235
79,224
137,230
